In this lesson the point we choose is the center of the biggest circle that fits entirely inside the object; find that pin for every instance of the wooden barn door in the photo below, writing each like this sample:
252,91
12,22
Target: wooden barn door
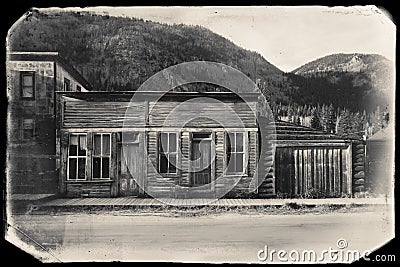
131,162
312,172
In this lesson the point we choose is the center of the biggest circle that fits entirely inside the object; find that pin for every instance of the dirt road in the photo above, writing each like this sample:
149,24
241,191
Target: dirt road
222,238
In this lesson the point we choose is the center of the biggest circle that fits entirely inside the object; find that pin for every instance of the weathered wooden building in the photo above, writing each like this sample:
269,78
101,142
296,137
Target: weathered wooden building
312,164
32,80
90,131
307,163
64,137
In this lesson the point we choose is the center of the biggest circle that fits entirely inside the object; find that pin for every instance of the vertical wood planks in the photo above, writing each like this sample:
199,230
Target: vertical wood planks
64,159
296,171
89,153
113,163
301,178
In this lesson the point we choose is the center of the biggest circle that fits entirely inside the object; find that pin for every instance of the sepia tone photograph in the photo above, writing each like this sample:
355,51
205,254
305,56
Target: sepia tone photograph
258,134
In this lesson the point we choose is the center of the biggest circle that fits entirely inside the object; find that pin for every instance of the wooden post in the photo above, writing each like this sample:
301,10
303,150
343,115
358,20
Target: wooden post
301,186
296,171
63,162
114,165
349,169
213,159
89,153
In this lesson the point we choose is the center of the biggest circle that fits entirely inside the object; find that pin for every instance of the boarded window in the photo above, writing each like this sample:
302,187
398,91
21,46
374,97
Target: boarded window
235,153
168,148
77,157
101,156
28,129
28,84
67,84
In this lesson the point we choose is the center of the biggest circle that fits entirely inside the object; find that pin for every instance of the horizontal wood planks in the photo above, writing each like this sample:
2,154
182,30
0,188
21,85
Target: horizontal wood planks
103,114
204,115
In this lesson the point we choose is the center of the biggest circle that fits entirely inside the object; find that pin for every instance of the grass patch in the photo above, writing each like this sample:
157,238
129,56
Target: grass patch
291,208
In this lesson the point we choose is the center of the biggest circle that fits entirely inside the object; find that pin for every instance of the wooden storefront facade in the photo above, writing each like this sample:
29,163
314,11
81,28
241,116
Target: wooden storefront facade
90,130
307,163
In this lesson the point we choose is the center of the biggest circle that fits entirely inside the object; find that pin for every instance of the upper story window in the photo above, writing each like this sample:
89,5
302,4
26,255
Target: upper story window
28,129
67,85
235,153
78,88
28,84
168,150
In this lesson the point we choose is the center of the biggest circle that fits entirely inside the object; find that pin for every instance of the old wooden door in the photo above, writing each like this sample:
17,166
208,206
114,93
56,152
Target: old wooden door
201,158
131,159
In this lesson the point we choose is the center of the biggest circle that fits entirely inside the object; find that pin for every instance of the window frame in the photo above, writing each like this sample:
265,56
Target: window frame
23,129
77,157
67,82
101,156
244,153
22,86
168,153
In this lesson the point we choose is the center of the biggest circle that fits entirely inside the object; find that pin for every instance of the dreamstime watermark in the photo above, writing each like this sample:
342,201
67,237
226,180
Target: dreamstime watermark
188,110
339,253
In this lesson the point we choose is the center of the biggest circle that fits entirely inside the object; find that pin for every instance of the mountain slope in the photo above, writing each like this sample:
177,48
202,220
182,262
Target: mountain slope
356,81
117,53
377,68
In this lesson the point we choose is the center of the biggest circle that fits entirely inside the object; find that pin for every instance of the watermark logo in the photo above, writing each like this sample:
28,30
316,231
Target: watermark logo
340,253
342,243
168,159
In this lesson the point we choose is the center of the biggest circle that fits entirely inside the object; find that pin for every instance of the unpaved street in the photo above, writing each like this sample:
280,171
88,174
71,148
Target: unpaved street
226,237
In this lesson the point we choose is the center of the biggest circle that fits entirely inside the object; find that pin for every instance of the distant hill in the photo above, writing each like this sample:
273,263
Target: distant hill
358,81
118,53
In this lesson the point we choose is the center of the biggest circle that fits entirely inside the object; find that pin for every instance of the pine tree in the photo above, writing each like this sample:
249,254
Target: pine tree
324,117
315,120
331,119
290,113
343,127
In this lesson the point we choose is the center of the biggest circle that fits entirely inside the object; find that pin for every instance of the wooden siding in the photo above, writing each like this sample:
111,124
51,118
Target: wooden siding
358,166
83,114
186,148
158,113
85,189
312,172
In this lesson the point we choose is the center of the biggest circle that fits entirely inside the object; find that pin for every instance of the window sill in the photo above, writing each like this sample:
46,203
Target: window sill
170,175
236,174
89,181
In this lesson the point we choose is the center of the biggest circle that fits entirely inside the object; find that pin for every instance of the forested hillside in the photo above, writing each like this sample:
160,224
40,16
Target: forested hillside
118,53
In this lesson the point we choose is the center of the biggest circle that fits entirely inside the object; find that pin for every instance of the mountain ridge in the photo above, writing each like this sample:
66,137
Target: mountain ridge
120,53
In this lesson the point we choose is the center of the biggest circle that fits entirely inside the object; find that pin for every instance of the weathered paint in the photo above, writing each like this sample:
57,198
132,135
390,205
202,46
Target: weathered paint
33,161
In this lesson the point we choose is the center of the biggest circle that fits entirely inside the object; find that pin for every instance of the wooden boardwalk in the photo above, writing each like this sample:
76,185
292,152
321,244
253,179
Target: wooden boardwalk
149,202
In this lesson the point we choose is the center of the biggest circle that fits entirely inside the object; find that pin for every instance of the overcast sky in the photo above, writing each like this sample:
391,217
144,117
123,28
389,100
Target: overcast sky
288,37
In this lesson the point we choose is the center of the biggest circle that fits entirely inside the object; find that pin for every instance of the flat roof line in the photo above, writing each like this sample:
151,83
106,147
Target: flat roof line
34,53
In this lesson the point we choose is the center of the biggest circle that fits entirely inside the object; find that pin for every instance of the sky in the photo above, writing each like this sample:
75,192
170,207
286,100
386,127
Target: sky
287,37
